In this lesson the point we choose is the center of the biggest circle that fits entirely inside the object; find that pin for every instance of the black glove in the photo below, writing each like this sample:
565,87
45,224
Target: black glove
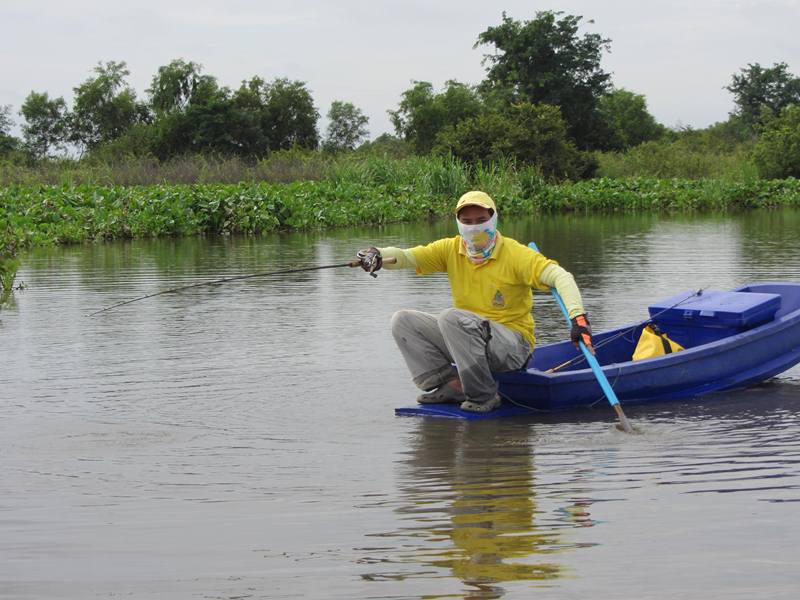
370,259
581,332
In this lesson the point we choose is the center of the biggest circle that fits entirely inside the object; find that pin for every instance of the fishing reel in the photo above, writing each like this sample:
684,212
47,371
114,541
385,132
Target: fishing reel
370,260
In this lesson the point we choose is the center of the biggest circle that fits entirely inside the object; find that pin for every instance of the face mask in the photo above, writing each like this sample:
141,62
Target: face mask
479,239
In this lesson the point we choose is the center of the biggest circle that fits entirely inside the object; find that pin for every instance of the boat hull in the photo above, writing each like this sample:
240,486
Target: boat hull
740,360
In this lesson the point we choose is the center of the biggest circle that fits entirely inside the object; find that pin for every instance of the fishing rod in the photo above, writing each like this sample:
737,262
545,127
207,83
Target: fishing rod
625,332
352,263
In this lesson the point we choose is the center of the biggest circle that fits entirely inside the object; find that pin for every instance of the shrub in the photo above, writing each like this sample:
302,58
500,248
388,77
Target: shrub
529,134
683,158
777,152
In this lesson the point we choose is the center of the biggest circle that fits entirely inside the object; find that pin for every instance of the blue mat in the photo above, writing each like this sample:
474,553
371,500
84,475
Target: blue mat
452,411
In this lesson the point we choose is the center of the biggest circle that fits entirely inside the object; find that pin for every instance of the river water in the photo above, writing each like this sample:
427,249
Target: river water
239,441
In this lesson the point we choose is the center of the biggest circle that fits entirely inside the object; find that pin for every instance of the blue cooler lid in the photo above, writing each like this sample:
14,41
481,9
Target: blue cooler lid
717,309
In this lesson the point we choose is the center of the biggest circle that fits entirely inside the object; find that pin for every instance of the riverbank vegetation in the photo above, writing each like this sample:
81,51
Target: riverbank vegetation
545,130
42,214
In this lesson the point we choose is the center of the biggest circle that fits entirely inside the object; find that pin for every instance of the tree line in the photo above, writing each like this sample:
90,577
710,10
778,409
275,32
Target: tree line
185,111
545,100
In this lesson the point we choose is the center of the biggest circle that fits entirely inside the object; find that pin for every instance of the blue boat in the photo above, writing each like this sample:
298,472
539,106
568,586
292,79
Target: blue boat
732,339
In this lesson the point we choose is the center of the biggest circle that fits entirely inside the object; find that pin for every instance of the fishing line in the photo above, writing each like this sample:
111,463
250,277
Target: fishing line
224,280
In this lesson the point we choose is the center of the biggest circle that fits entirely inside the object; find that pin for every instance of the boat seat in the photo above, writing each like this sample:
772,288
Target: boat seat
692,320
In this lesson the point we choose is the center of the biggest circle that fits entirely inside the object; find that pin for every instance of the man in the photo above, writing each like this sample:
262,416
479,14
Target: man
491,326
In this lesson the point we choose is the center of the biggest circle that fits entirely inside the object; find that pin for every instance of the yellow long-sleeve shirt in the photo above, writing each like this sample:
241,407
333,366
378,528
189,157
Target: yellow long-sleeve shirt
498,289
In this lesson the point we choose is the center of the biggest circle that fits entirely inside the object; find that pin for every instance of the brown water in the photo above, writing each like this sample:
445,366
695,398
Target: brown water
239,441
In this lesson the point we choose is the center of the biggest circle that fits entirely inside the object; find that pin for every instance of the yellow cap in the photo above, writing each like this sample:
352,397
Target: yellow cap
476,198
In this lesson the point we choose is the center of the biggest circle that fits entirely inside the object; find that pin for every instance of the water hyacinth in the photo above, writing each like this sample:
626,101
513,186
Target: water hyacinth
52,214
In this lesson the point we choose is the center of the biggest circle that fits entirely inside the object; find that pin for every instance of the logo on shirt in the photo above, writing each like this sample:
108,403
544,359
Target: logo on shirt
498,301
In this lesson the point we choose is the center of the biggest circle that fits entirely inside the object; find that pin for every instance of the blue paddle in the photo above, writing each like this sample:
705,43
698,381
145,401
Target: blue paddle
590,358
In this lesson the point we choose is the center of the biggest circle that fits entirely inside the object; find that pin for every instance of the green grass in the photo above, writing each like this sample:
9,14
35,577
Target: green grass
679,159
59,202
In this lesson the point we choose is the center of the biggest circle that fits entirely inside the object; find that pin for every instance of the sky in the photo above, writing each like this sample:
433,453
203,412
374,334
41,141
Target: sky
680,54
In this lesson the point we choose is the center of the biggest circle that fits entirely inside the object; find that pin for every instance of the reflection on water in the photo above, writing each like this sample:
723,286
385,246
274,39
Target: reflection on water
469,505
239,440
554,503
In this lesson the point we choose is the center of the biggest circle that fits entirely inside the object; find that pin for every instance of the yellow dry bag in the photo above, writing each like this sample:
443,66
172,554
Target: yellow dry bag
654,343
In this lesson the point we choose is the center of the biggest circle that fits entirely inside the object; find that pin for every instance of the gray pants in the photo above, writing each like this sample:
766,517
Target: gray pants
430,345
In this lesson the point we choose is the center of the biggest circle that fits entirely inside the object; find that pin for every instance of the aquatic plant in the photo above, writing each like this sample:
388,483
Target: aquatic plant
8,262
47,214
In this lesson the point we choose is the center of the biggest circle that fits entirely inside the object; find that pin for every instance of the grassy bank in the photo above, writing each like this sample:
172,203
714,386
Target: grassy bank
54,201
42,214
32,215
680,159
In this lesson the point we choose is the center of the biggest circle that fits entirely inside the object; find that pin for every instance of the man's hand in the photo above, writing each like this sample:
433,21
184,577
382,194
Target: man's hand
581,332
370,259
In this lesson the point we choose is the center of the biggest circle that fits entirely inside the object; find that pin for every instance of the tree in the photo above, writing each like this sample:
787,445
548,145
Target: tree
529,134
8,142
173,87
422,113
777,152
105,107
291,116
5,120
257,118
275,116
45,127
761,93
388,145
250,102
347,126
192,114
544,61
626,120
210,123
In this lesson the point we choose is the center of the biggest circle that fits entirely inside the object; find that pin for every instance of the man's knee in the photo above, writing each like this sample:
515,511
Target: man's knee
402,321
455,318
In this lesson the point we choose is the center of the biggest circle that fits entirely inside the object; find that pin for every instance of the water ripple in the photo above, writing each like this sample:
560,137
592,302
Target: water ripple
238,440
